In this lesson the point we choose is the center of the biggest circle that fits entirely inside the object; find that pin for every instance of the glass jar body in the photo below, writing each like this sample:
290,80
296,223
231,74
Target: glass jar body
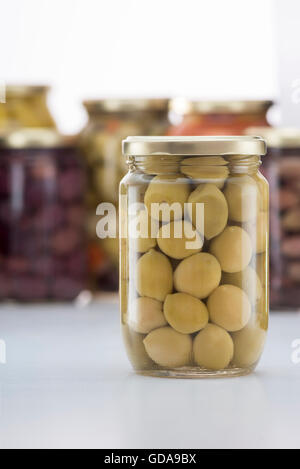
194,302
101,144
42,224
282,169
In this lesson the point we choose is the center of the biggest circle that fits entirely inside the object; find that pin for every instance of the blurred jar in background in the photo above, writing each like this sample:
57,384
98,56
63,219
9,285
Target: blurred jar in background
110,121
42,224
282,169
217,117
25,106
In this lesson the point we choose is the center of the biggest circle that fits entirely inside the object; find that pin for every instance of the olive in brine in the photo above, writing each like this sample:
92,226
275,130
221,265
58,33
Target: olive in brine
136,350
213,348
154,275
146,314
232,248
185,313
206,169
248,345
169,348
246,279
229,307
167,190
189,242
214,206
197,275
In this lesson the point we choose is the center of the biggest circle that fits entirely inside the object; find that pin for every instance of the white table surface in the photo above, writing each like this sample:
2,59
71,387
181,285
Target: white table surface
67,384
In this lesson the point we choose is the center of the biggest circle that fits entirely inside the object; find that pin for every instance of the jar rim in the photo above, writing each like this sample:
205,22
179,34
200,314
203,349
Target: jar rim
197,145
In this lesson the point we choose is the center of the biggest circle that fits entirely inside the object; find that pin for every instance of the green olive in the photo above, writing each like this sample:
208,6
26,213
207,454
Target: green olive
198,275
229,307
167,190
187,244
146,314
206,169
232,248
213,348
215,209
161,164
169,348
243,198
248,345
246,279
154,275
185,313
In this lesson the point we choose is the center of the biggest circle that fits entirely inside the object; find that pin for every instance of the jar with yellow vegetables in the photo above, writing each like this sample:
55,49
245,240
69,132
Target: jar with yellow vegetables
25,106
110,121
194,255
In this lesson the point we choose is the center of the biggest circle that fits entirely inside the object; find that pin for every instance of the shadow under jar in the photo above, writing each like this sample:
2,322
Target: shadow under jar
110,121
42,225
194,255
282,170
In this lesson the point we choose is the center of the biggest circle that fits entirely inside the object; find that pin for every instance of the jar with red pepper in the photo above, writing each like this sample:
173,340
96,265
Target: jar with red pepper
217,117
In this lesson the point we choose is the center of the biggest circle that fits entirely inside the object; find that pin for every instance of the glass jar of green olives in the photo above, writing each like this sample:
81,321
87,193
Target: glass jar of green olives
194,255
111,120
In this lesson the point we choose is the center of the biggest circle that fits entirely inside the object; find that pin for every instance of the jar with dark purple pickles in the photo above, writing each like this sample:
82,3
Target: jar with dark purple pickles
282,169
42,226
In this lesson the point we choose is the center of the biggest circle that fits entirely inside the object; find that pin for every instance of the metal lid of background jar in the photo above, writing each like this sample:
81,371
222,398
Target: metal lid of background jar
184,106
277,137
33,138
205,146
126,105
15,91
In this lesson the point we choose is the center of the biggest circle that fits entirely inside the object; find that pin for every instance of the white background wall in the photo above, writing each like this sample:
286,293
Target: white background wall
95,48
